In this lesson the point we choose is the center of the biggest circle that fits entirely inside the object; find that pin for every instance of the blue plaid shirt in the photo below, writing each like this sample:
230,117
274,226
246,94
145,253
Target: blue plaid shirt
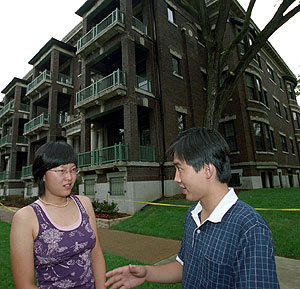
232,249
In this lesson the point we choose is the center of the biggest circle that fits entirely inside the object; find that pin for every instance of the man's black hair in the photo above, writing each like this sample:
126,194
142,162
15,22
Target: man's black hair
198,146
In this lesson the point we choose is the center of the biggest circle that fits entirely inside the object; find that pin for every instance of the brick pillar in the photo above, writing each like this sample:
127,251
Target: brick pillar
85,145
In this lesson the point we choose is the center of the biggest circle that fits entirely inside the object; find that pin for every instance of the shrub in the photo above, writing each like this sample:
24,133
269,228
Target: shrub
105,207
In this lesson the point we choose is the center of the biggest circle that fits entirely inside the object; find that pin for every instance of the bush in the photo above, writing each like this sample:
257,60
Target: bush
17,200
105,207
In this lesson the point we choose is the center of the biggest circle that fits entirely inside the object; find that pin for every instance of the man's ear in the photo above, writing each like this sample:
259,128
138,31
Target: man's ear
209,170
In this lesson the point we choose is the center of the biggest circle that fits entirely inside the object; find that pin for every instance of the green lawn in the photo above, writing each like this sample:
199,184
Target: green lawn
167,222
112,262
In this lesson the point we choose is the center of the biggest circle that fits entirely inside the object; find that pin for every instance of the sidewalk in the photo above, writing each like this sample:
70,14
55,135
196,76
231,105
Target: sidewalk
154,250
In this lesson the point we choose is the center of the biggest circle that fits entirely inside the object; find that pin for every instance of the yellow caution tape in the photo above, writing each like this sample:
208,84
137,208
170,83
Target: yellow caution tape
185,206
7,208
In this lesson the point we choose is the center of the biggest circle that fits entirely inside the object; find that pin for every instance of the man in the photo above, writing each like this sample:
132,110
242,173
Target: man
226,243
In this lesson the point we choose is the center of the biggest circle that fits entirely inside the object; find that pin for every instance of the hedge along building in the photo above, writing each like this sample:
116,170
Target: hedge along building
122,85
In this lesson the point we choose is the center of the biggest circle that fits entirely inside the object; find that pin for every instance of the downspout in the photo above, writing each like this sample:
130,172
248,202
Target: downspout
162,174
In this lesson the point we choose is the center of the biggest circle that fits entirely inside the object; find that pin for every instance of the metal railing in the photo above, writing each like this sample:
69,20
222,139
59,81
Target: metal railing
147,153
41,119
7,107
5,140
115,16
4,175
140,25
65,79
115,153
27,171
118,77
25,107
143,83
45,75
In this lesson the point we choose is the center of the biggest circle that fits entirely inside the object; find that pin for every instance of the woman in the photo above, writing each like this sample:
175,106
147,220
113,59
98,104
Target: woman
56,235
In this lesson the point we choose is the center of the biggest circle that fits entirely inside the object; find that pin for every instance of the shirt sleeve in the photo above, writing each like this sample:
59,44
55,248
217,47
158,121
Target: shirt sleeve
256,268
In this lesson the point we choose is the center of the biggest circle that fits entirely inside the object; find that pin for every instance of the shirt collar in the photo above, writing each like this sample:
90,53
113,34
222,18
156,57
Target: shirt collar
220,210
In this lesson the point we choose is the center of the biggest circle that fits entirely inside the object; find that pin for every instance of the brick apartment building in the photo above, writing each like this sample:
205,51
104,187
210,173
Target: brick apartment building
122,85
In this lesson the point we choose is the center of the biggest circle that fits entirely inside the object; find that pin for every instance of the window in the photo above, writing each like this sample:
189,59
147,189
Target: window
229,135
271,73
283,143
250,86
181,122
292,146
266,101
89,187
254,89
273,139
200,36
277,106
170,15
176,65
259,139
296,120
279,81
286,113
259,90
263,138
116,185
290,91
234,180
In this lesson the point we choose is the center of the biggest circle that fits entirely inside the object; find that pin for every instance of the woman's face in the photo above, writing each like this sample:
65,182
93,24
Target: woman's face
59,181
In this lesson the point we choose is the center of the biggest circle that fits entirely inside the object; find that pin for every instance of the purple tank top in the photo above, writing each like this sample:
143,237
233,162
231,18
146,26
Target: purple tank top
62,255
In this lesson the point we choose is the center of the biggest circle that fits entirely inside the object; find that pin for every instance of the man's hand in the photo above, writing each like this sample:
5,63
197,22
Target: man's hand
126,277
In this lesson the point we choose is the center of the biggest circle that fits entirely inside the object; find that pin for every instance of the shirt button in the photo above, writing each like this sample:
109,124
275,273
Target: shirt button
198,231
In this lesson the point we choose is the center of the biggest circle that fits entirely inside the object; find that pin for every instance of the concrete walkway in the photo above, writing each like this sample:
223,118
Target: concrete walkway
154,250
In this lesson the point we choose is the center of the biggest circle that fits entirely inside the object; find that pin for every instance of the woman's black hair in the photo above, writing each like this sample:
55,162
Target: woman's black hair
199,146
51,155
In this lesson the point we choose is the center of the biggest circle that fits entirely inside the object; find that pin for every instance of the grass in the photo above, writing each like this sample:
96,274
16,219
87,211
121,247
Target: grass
167,222
112,261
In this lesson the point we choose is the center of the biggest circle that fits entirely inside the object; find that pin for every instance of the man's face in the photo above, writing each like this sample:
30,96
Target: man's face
193,183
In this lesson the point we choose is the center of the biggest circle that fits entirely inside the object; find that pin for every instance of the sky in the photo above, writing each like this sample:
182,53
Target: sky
26,26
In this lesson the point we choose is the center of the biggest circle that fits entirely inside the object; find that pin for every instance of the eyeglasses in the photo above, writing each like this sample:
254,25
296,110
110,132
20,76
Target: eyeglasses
63,172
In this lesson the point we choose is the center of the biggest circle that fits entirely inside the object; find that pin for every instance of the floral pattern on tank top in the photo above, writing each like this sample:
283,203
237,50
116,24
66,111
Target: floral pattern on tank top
62,255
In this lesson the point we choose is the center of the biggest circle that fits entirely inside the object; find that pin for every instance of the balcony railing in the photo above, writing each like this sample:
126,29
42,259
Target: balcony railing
38,121
139,25
115,16
116,153
26,171
147,153
25,107
7,107
4,175
143,83
45,75
116,78
65,79
5,140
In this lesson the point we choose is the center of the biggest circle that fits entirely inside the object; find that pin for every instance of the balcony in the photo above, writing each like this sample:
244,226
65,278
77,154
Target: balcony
143,84
146,153
116,153
26,171
39,83
112,154
106,29
7,141
7,109
37,124
4,175
139,25
103,89
65,79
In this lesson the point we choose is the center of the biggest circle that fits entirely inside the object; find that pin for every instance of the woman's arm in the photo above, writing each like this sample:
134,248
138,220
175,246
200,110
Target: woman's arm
98,262
21,248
